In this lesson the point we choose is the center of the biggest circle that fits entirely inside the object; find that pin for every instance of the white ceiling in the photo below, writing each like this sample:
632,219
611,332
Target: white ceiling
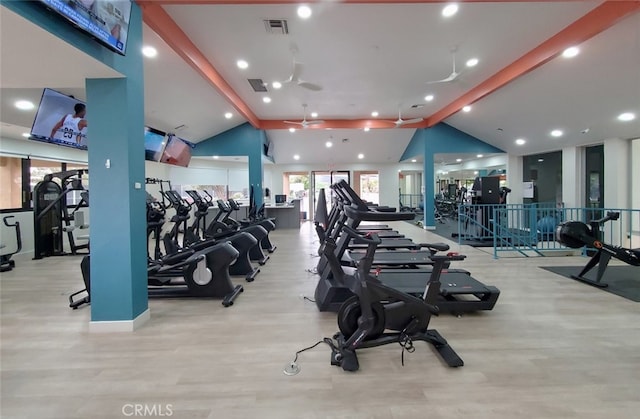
367,57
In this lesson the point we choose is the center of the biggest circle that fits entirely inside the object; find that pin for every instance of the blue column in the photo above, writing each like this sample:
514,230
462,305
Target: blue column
256,173
115,115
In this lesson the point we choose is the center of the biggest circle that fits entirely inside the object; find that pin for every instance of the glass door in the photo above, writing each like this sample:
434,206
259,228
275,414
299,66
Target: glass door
321,180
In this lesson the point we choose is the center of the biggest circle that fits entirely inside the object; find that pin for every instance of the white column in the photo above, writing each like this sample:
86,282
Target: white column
635,192
635,174
617,171
514,179
573,177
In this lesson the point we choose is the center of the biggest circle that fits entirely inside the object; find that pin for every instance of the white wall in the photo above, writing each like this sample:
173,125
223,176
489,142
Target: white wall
37,150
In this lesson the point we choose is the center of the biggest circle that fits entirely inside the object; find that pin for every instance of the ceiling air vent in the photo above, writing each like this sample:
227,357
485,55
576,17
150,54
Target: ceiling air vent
258,85
276,26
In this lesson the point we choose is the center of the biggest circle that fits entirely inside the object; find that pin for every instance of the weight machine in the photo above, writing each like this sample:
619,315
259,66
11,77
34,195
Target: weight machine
51,216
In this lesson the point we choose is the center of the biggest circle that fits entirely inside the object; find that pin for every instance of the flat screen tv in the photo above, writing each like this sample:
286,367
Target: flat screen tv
177,151
60,119
154,142
105,20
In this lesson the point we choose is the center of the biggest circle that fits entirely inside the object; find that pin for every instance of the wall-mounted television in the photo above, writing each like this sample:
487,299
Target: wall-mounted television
154,142
60,119
177,151
105,20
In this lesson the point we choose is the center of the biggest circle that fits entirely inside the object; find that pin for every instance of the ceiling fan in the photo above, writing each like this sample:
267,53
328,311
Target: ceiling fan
400,122
295,78
454,74
304,123
297,70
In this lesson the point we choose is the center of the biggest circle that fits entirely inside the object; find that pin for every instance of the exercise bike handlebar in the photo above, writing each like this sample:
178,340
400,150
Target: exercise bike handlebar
5,220
611,216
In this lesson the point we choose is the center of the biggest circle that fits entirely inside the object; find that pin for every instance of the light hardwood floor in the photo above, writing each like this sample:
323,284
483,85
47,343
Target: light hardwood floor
552,348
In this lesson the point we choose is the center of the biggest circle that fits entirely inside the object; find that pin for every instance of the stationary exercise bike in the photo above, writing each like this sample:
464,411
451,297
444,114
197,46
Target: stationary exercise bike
363,318
576,234
6,264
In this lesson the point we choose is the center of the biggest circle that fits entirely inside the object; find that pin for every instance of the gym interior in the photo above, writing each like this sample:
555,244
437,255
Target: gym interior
430,260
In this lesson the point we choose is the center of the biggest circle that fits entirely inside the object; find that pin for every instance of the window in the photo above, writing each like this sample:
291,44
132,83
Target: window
11,181
19,176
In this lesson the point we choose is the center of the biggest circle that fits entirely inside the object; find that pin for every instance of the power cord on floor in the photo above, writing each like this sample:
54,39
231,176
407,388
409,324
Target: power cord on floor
293,368
407,345
312,271
304,297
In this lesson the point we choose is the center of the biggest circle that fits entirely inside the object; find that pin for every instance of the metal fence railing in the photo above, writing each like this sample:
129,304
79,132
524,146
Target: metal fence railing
529,229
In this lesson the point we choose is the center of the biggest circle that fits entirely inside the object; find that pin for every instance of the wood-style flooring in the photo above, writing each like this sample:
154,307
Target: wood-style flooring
552,348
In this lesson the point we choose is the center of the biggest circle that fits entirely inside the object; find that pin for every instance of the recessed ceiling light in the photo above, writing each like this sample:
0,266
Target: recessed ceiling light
228,115
475,173
374,114
366,129
149,51
540,160
24,105
216,157
466,109
242,64
450,10
428,98
292,129
361,156
276,85
458,160
556,133
627,116
472,62
328,144
480,156
296,157
26,134
413,160
314,114
266,99
521,141
570,52
304,11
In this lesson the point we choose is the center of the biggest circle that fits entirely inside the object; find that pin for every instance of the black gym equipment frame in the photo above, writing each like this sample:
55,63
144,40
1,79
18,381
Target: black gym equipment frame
576,234
377,315
51,217
459,292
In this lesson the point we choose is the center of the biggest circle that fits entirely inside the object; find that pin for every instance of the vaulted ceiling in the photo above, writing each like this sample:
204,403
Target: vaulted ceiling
367,56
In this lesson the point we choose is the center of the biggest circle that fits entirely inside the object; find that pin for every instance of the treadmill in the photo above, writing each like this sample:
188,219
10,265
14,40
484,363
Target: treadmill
459,292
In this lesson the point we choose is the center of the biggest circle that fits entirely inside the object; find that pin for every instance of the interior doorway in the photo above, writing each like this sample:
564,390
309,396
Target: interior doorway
323,179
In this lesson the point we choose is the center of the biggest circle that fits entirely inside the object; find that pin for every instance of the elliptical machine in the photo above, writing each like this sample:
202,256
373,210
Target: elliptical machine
576,234
374,308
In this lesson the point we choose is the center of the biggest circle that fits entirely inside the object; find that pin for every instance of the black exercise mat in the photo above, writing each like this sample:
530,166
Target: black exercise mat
623,280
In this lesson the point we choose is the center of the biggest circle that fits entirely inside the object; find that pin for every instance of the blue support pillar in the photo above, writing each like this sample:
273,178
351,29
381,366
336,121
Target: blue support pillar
256,173
115,115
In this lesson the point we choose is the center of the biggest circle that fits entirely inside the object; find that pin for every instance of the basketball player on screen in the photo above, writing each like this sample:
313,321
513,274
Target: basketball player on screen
71,125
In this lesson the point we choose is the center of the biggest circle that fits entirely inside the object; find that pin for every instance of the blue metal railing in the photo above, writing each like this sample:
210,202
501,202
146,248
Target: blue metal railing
529,229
